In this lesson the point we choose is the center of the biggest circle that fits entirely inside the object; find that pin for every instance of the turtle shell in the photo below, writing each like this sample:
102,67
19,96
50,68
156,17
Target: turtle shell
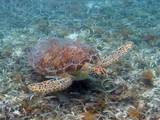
56,56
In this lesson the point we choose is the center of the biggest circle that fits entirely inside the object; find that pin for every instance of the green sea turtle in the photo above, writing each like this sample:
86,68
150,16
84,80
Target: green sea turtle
68,61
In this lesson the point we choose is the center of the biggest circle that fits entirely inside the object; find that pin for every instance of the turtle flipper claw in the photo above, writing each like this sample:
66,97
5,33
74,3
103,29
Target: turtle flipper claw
52,85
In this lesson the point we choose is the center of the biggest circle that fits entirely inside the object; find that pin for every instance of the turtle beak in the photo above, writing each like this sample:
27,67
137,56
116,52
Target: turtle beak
97,73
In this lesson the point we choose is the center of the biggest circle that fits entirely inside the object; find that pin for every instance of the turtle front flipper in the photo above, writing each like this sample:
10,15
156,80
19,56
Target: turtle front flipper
116,54
52,85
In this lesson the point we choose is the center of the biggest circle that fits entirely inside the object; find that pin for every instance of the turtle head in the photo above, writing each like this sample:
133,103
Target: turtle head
97,73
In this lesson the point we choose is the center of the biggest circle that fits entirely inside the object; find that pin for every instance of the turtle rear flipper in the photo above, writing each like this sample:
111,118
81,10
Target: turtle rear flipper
116,54
52,85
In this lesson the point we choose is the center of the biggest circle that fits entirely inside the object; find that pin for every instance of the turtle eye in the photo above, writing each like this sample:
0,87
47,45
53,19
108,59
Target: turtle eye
97,73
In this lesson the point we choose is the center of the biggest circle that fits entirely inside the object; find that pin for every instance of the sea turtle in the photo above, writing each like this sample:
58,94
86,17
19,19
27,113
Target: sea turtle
68,61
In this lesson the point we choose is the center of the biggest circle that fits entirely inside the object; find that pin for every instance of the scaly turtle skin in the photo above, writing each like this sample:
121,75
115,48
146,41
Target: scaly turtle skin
69,61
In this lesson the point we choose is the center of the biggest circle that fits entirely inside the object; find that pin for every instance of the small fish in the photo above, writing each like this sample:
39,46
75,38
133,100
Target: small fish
51,105
44,114
50,97
26,69
128,60
61,41
125,68
51,76
70,75
2,42
141,77
74,93
91,104
69,116
125,75
112,90
50,70
24,118
84,71
39,55
24,61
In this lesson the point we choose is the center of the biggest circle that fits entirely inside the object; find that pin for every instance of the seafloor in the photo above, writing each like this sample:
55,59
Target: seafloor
132,88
